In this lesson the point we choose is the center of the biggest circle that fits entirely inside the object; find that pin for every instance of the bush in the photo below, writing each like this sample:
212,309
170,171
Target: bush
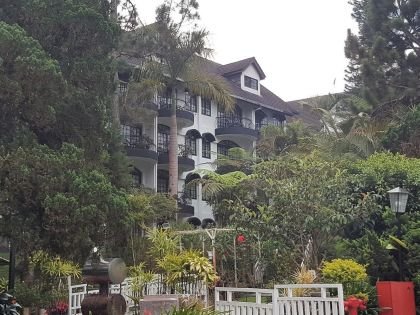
343,271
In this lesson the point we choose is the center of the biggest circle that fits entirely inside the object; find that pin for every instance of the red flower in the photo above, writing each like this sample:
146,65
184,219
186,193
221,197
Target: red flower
240,239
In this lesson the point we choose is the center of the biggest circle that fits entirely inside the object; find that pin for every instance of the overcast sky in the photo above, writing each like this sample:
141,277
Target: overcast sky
298,43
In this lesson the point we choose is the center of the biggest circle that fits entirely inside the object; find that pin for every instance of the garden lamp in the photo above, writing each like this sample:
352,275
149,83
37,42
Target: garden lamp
398,199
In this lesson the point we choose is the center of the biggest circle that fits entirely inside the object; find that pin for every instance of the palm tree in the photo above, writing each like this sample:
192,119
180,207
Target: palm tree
347,125
175,58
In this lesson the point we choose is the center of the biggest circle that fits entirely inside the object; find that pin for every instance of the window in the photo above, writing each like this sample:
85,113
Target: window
136,178
191,102
122,87
163,138
229,119
251,83
131,135
206,106
191,145
191,191
224,146
165,100
206,148
162,181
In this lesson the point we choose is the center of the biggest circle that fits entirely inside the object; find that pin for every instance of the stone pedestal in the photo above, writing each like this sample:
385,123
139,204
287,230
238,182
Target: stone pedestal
158,304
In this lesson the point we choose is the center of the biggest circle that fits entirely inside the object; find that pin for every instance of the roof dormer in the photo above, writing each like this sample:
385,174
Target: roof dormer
246,73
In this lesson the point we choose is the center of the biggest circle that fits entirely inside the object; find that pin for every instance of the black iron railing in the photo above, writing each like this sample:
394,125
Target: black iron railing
230,122
166,103
139,142
183,150
266,122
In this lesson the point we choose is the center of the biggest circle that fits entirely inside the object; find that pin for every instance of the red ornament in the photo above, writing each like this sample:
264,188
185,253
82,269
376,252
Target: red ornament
240,239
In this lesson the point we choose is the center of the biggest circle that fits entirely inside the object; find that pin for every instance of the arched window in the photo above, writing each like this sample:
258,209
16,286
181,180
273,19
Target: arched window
207,139
191,141
163,139
191,189
224,146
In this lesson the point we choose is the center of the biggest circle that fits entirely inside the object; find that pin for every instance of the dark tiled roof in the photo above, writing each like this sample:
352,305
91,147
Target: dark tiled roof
267,98
241,65
305,114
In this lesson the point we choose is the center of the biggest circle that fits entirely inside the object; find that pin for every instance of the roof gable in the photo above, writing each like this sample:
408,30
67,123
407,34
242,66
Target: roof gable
241,65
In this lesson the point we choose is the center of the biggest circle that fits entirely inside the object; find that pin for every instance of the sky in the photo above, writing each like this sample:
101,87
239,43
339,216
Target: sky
299,44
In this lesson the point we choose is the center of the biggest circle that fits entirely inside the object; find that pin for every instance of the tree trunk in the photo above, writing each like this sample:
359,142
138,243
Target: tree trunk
173,150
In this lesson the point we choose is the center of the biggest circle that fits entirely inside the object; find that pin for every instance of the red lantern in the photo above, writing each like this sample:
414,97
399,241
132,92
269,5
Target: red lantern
240,239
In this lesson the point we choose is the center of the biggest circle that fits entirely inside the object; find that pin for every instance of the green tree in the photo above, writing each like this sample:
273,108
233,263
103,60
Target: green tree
52,200
384,56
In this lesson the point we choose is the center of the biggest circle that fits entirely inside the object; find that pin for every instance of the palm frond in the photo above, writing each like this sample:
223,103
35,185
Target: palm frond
211,87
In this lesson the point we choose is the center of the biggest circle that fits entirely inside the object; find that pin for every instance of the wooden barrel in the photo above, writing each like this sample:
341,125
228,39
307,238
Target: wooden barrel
98,304
104,271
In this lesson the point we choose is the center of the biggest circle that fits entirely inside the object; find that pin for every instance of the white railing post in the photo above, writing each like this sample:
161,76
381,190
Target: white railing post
70,294
340,299
276,301
258,298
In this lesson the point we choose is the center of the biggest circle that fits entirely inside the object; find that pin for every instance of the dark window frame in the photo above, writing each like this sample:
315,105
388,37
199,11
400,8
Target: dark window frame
205,106
224,146
191,144
191,102
251,83
162,183
163,139
131,135
136,178
205,148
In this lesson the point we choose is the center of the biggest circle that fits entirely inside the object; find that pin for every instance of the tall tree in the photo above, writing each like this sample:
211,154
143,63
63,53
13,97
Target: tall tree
384,61
178,52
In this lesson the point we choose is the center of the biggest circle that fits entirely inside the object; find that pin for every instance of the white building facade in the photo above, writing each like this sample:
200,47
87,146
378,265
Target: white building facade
205,132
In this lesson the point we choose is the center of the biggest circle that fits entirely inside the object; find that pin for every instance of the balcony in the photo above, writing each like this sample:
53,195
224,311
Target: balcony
186,209
236,129
184,117
272,122
185,162
130,103
141,147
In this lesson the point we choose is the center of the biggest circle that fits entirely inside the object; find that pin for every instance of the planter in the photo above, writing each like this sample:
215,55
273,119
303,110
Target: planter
396,297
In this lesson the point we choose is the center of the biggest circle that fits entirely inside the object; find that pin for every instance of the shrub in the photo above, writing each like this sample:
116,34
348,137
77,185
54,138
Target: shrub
343,271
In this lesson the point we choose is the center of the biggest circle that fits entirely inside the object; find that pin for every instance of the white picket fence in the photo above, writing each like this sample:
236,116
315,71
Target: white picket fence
282,300
78,292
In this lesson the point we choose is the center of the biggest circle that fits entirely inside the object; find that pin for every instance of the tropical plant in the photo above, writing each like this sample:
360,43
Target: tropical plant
139,279
193,309
163,242
3,285
303,276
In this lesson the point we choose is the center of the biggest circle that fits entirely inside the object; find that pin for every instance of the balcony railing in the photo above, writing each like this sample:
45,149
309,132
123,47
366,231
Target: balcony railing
271,122
139,142
183,150
229,122
166,103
